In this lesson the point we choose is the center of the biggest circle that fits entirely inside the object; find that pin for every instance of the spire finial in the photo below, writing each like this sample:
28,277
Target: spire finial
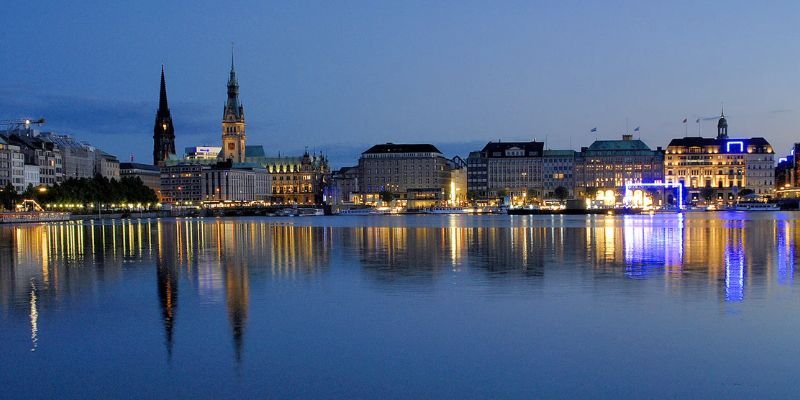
232,56
722,113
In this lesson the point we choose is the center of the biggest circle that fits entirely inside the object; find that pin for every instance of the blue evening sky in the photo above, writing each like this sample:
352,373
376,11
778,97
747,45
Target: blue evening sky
339,76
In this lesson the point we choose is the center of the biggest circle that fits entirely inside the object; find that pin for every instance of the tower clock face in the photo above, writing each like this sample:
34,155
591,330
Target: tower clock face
231,146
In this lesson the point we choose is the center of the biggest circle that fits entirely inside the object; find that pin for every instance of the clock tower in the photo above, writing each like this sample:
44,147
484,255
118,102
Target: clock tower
233,126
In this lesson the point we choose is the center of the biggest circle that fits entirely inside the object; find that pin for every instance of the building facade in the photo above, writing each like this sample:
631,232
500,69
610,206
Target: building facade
182,183
12,166
344,186
604,168
223,183
413,173
45,155
500,169
787,173
294,180
558,167
198,183
163,130
717,169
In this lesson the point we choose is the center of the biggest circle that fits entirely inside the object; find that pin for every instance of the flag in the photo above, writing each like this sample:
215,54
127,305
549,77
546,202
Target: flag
593,130
684,120
636,129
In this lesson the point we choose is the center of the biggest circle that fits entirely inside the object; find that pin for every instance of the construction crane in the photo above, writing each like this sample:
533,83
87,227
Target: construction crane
17,124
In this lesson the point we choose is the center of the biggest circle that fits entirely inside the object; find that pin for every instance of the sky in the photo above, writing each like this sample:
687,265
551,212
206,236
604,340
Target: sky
339,76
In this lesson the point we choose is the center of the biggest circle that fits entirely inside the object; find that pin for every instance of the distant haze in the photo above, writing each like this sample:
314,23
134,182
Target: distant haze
339,76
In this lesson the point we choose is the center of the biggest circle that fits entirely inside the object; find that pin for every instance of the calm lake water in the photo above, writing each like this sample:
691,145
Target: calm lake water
697,305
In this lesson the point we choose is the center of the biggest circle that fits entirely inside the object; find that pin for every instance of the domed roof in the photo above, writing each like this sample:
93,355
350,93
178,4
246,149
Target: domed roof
722,122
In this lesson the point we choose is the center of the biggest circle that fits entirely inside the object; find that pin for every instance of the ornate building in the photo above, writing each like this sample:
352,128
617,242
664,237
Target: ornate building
233,127
163,131
294,180
718,168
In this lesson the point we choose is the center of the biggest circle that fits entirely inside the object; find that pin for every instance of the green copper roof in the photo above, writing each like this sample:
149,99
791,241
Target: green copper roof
619,145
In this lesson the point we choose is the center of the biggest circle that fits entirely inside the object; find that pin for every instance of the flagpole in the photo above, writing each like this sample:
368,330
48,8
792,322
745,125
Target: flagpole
686,127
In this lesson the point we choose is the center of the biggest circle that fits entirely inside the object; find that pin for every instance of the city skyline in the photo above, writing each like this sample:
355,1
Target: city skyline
342,77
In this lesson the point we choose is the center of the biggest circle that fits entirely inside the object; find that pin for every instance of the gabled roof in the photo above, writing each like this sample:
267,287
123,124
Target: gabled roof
402,148
254,151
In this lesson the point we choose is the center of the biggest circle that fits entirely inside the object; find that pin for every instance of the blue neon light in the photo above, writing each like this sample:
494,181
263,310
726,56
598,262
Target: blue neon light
740,143
782,159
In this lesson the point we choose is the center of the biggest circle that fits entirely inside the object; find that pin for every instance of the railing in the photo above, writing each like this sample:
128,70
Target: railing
22,217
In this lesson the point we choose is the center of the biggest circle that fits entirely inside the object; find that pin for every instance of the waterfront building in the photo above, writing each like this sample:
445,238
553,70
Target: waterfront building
344,187
233,126
42,154
163,130
294,180
182,183
196,183
150,175
224,183
717,169
80,159
209,154
604,168
501,169
787,174
12,166
558,167
106,165
417,175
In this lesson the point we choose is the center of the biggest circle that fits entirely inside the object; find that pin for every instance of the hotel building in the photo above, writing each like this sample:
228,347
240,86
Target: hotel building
603,169
724,165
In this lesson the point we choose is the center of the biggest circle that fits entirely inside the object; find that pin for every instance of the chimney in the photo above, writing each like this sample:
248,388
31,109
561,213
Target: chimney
627,137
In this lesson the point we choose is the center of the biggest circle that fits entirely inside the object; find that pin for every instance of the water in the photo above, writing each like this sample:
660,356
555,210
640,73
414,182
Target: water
697,305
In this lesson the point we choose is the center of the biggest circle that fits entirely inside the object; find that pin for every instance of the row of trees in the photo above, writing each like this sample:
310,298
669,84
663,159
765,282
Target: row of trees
83,191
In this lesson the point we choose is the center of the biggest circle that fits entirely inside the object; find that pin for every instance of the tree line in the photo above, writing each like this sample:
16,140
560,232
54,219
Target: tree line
83,191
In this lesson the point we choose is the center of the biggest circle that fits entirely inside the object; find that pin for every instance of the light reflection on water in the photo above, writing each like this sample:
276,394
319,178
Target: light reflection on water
307,291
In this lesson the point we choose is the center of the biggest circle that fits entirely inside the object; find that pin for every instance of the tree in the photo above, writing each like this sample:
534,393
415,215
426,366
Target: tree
707,193
561,193
387,196
8,196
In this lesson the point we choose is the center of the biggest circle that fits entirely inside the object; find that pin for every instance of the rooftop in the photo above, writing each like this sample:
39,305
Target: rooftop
145,167
402,148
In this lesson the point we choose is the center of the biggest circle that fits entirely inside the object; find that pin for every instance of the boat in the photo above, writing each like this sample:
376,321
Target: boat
366,211
755,206
449,210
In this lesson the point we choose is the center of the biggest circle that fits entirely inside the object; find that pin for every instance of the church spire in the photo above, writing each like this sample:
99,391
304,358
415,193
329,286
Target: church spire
163,131
162,98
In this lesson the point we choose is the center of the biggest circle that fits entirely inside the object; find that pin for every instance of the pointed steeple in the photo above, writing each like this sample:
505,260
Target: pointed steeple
162,99
163,131
232,106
